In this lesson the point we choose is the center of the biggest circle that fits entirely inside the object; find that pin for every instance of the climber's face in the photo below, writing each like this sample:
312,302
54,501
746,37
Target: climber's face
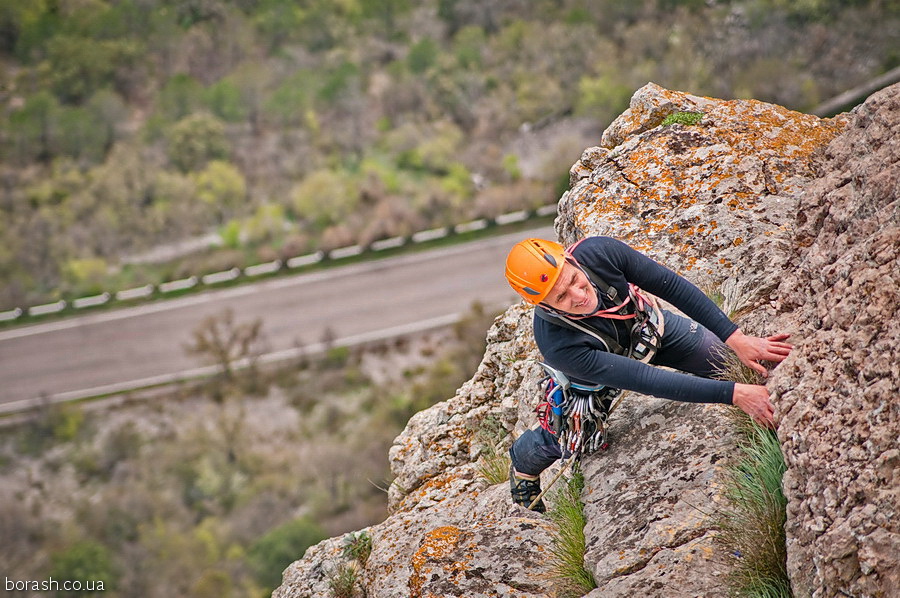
572,293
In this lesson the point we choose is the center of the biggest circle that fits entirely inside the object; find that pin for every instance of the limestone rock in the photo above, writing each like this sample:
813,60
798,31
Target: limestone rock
710,200
475,544
838,392
440,438
650,500
649,107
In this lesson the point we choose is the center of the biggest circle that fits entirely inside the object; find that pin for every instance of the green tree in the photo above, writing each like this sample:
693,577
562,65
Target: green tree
458,182
267,224
86,275
603,97
32,24
468,44
280,547
79,66
109,112
440,149
287,104
11,16
224,99
386,12
82,134
278,21
195,140
422,55
221,186
313,24
325,197
86,561
179,97
336,83
31,130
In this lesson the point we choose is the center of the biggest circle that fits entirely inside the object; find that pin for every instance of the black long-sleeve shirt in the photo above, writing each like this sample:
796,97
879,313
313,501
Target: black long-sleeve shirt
585,360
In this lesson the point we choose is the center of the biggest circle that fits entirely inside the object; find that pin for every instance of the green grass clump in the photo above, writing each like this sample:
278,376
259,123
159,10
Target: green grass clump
682,118
342,580
567,571
753,519
358,546
493,464
731,368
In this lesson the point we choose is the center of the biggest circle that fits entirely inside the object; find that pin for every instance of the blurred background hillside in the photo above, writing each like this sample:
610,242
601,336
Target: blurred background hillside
291,126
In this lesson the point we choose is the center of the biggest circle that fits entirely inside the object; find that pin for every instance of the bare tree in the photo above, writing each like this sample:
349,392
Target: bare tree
231,345
223,341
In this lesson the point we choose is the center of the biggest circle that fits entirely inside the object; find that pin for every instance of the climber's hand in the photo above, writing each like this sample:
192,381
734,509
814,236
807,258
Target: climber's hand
751,349
754,400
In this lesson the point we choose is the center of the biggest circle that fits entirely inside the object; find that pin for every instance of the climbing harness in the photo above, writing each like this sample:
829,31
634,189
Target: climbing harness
646,332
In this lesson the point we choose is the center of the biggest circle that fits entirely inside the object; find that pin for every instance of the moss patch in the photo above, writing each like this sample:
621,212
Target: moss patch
683,118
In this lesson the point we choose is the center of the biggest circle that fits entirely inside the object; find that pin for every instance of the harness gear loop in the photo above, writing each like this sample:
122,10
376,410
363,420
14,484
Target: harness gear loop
581,414
576,414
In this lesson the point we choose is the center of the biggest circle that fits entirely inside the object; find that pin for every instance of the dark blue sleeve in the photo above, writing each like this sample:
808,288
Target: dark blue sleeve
629,374
582,359
664,283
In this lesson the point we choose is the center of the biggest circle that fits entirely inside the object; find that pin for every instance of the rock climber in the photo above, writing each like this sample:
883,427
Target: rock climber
596,321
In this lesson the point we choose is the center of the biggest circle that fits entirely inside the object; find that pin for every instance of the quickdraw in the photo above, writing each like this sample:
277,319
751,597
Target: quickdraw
577,415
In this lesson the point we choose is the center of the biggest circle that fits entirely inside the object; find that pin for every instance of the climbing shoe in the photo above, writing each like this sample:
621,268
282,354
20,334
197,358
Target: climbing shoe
525,491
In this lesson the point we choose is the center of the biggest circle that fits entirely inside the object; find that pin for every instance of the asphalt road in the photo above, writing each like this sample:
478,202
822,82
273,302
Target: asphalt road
136,347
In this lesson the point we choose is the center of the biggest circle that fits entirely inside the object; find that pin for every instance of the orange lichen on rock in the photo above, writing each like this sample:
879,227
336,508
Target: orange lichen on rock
437,544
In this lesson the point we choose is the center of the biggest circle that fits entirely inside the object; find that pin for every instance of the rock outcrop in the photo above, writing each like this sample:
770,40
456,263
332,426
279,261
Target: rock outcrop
839,393
746,199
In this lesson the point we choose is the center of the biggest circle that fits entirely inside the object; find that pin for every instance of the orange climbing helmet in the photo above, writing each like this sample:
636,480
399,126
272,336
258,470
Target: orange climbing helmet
532,267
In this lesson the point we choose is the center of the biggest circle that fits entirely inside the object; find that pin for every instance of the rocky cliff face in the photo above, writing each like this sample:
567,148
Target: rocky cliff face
751,198
839,393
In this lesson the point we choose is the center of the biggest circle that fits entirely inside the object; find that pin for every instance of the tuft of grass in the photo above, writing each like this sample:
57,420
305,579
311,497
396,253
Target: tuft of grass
683,118
358,546
752,522
342,580
567,571
493,464
731,368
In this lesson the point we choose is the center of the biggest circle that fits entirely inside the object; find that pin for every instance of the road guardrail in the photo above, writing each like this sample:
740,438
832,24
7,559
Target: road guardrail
270,268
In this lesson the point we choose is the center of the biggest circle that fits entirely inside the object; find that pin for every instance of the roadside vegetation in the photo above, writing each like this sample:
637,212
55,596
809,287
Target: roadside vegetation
213,489
291,127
